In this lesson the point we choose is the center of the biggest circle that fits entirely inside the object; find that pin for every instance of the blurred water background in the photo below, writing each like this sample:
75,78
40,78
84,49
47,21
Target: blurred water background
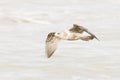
24,25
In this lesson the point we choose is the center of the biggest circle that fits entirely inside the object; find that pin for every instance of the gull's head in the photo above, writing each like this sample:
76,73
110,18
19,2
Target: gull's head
57,34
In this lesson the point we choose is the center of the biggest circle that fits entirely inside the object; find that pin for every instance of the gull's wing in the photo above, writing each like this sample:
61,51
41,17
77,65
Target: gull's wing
51,44
92,34
86,30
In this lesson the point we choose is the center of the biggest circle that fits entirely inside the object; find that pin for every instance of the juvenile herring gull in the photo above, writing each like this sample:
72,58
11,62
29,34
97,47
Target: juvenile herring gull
72,34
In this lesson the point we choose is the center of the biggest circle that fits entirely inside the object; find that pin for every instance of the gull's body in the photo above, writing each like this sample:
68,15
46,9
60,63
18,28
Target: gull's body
74,33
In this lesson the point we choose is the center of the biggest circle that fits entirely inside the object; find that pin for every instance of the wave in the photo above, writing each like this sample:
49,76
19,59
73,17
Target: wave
13,20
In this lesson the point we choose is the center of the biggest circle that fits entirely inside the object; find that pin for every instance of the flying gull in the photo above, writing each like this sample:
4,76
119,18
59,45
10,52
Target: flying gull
72,34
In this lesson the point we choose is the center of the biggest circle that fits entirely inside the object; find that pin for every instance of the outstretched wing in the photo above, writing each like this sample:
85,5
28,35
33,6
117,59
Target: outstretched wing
51,44
86,30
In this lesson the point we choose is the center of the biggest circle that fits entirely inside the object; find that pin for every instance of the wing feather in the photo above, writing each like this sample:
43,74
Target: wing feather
51,44
86,30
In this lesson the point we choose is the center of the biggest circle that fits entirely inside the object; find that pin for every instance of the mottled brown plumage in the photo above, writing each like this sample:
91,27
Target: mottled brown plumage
80,29
76,29
50,36
74,33
51,44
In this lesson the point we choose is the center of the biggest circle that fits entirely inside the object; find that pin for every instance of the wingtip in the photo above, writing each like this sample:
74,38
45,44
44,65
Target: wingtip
98,39
95,38
48,56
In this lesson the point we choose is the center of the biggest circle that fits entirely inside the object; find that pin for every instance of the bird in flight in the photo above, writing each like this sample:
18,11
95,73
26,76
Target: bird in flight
72,34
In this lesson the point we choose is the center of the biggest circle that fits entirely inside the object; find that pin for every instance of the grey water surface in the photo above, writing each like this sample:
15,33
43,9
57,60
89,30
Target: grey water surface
24,25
